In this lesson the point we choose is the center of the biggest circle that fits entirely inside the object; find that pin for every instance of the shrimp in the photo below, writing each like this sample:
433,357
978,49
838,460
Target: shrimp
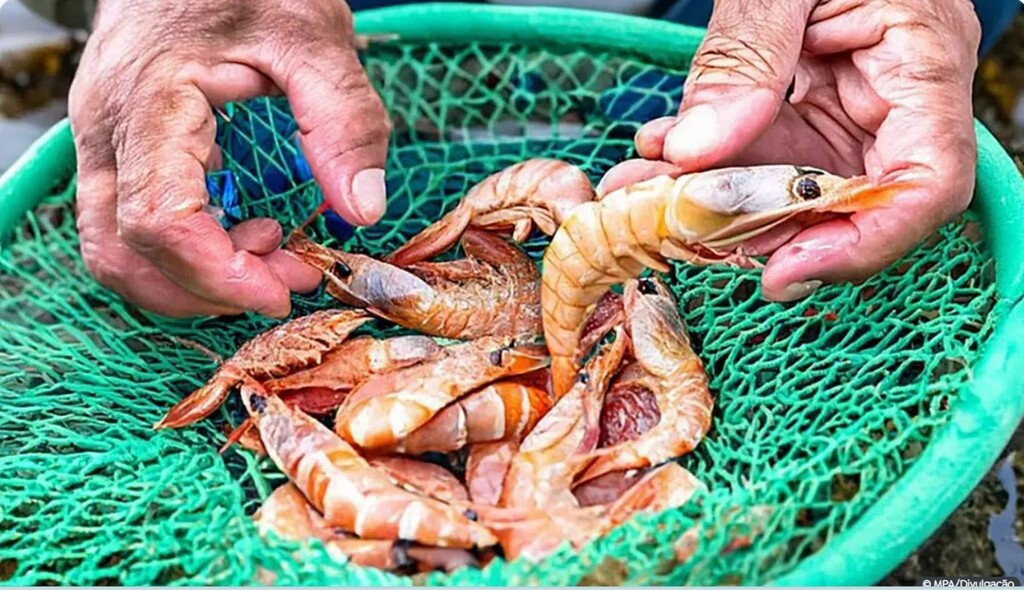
540,476
504,410
387,408
287,514
297,344
662,488
322,388
423,478
494,291
674,375
537,191
486,468
690,219
349,492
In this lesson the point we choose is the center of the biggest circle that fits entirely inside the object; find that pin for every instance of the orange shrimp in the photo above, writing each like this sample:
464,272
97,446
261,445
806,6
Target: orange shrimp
537,191
287,514
322,388
423,478
385,409
667,367
486,467
295,345
349,492
693,219
493,291
541,474
504,410
754,521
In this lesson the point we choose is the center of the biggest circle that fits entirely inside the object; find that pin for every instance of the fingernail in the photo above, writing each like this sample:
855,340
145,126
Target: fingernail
693,136
369,195
797,291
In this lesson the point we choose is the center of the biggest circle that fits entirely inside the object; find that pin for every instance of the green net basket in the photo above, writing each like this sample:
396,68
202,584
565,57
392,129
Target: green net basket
861,416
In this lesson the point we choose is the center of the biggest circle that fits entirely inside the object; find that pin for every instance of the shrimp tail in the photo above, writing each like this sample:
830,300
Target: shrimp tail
434,240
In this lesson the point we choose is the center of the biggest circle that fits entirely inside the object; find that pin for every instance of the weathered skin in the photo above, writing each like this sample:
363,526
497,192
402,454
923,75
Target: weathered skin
693,218
493,291
538,191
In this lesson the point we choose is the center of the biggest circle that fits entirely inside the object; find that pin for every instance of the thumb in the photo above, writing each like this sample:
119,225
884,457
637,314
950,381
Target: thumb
737,82
343,126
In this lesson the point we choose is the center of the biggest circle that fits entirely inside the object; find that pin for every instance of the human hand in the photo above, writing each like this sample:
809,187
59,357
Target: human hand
140,109
882,88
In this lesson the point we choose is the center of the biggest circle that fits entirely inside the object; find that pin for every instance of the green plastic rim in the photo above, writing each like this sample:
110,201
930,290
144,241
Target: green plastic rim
988,407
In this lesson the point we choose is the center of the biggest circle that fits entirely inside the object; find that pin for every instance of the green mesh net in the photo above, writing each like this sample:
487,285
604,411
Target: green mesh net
820,405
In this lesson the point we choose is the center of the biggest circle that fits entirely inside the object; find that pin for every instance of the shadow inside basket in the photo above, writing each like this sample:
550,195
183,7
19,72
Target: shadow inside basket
820,405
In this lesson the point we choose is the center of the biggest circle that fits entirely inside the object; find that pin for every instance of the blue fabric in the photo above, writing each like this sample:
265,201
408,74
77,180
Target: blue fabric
995,16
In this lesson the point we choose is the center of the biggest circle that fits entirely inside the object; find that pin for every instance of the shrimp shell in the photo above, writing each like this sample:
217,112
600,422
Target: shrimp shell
343,487
538,191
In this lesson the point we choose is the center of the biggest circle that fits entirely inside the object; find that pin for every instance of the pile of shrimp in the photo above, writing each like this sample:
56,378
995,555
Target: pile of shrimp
564,402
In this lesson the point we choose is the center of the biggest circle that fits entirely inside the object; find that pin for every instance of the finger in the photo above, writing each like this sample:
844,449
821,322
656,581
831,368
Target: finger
297,276
650,139
226,82
738,80
259,236
161,188
633,171
343,127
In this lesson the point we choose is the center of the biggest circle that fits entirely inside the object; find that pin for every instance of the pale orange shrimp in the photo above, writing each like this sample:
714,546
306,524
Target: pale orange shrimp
321,388
541,474
504,410
666,366
694,218
343,487
385,409
295,345
423,478
486,467
663,487
287,514
493,291
537,191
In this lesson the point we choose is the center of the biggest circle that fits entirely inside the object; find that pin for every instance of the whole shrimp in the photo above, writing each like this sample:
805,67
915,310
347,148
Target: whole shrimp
667,367
287,514
295,345
503,410
541,474
385,409
494,291
537,191
692,219
349,492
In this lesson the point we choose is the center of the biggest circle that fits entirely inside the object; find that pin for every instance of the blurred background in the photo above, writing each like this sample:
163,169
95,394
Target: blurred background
38,60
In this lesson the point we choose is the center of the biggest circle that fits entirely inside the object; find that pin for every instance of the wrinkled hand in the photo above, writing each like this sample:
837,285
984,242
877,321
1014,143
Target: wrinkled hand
882,88
140,109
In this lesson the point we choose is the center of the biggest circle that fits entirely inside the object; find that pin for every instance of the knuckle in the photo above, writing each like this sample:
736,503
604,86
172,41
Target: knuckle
725,57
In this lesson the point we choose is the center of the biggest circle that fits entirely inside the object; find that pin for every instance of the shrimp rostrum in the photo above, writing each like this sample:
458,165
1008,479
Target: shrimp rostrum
696,218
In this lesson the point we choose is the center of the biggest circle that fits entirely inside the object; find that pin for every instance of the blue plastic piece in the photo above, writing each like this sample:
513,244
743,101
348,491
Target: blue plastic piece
224,194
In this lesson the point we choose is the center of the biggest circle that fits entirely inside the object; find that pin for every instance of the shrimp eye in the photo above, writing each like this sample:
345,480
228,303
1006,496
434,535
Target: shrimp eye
343,270
471,514
648,287
583,378
495,357
808,189
405,564
259,403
